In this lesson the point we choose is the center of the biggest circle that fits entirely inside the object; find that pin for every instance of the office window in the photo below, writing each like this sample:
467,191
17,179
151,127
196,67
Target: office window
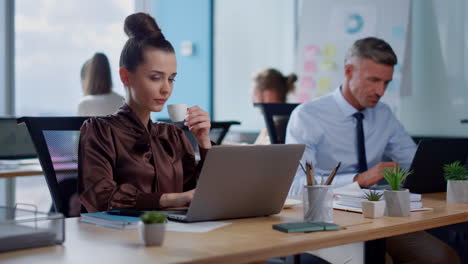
53,39
240,50
439,81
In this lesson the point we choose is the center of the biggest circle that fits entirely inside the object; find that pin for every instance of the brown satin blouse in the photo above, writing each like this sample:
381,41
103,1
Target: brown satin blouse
123,165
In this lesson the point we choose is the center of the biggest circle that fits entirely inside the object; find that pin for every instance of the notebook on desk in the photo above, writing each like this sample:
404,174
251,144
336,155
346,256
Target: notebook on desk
110,220
243,181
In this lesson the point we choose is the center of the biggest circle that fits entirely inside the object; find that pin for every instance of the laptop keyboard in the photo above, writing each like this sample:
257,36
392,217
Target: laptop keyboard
181,216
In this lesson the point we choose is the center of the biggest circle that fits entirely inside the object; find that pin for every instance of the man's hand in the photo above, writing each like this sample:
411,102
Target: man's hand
373,175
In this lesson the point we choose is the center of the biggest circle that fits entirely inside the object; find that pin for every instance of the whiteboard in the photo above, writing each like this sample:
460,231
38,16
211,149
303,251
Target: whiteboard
328,28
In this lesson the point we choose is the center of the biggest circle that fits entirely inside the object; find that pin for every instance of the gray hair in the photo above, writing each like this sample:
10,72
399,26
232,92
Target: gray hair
374,49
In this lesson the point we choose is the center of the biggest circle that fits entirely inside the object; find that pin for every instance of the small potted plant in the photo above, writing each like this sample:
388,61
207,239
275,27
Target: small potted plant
153,228
457,182
373,206
397,200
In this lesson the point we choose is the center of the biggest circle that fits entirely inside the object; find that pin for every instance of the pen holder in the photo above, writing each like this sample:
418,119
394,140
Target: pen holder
318,203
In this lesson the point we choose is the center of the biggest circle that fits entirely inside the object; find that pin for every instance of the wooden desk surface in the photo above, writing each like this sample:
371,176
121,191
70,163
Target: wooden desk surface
245,240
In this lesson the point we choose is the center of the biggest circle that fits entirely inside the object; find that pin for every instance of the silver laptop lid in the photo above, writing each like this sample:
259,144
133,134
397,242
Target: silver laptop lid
244,181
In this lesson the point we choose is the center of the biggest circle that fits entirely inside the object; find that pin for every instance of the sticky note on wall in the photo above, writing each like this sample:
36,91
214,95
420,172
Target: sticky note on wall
310,66
328,65
307,82
329,50
303,97
311,51
398,33
324,84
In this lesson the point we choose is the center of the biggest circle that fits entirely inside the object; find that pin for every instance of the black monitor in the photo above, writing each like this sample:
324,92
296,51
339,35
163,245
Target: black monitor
431,156
15,141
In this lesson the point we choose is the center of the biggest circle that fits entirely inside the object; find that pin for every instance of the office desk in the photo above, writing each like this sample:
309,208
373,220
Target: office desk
35,169
29,170
246,240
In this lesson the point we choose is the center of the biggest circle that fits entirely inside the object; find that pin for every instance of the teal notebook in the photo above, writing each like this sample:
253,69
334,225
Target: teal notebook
109,220
297,227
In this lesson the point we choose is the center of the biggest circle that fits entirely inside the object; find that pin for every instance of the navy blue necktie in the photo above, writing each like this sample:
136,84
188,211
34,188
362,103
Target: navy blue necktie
361,148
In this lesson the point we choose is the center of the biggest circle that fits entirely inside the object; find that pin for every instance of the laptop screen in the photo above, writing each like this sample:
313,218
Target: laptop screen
15,142
431,156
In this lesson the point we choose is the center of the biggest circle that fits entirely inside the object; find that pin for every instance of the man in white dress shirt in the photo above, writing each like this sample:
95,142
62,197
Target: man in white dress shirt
351,125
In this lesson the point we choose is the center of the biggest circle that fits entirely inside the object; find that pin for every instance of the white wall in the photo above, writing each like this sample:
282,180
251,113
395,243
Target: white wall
249,36
439,82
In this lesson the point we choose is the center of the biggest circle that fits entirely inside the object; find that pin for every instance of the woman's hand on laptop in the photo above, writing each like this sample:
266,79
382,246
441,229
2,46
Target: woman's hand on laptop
176,199
373,175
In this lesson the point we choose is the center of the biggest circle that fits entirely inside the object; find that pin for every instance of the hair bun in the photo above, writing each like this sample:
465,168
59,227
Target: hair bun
141,25
291,78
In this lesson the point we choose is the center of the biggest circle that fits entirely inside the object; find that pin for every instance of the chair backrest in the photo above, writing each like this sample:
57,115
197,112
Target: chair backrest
218,130
56,142
276,116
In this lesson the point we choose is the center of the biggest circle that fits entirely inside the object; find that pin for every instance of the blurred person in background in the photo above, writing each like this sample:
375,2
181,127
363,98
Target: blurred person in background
96,81
271,86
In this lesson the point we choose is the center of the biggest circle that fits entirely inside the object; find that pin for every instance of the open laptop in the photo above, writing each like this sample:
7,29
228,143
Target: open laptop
243,181
15,141
428,162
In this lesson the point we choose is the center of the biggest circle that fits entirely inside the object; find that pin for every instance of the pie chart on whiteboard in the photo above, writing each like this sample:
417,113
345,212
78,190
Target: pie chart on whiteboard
354,24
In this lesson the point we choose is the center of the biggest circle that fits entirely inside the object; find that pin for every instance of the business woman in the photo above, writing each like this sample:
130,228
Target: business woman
127,161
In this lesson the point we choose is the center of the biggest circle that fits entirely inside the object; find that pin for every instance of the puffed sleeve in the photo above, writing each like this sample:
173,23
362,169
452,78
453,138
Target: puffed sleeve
96,162
191,170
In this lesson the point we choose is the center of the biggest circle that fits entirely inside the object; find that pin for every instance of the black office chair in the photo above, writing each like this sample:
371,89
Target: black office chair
276,117
448,149
218,130
56,142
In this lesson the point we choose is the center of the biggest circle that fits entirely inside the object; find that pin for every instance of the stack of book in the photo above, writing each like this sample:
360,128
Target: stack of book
355,201
350,197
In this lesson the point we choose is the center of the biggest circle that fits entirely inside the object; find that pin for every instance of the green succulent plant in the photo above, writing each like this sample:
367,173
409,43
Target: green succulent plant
455,171
153,217
373,195
395,177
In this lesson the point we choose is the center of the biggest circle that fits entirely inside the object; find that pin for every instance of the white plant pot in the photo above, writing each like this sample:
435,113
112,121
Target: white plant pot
457,191
373,209
152,234
397,203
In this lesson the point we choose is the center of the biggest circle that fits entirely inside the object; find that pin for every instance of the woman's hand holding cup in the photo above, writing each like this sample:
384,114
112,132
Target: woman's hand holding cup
199,124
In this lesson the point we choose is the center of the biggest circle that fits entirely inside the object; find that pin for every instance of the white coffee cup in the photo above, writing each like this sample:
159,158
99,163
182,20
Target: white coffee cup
177,112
